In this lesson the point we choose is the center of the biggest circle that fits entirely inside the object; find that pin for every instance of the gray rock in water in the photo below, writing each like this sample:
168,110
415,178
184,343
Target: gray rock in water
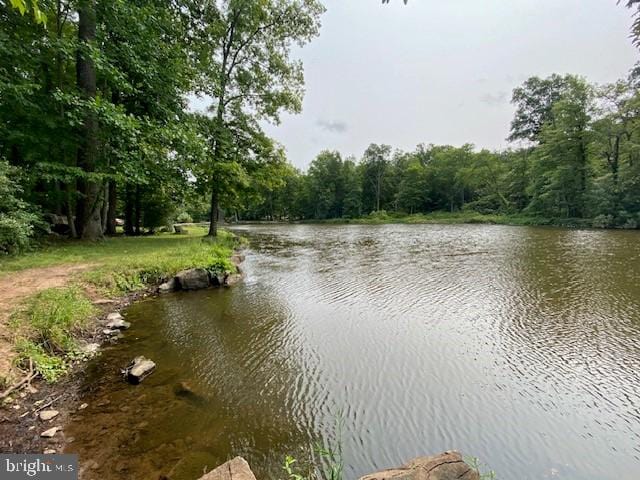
111,332
446,466
236,469
118,325
116,321
47,415
168,286
193,279
139,369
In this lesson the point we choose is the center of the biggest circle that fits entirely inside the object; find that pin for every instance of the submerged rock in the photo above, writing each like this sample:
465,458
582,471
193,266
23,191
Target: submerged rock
46,415
193,279
139,369
446,466
236,469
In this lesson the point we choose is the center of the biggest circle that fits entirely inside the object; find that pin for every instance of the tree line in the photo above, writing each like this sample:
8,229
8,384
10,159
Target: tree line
96,125
578,158
95,121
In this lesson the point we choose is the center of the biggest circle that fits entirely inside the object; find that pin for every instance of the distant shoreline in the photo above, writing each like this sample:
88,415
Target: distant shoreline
446,218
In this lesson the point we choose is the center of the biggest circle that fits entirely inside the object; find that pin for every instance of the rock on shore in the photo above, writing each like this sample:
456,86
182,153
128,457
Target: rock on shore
199,278
236,469
193,279
446,466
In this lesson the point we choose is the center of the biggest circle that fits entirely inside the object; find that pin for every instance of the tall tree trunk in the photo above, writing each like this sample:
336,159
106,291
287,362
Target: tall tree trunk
128,210
111,212
105,206
90,221
213,217
58,198
138,204
70,214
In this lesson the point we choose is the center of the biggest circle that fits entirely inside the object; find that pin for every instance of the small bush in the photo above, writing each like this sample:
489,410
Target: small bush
50,367
184,217
17,221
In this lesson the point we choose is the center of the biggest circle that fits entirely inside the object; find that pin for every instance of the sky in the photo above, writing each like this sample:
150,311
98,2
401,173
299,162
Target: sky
442,72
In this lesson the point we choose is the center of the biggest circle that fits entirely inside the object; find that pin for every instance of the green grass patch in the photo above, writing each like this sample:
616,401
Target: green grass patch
141,265
47,327
109,251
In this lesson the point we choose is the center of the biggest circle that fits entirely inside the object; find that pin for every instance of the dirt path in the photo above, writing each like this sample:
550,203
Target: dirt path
15,287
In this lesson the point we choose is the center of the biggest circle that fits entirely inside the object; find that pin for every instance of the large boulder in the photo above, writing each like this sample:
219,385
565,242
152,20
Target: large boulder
236,469
193,279
139,369
446,466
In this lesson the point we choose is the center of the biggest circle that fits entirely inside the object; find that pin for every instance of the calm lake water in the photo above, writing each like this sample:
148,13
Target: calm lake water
520,346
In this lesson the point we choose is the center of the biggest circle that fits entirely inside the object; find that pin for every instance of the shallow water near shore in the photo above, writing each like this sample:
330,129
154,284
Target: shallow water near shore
518,345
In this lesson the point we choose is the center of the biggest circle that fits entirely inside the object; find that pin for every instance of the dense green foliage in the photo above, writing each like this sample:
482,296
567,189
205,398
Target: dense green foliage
579,159
94,106
17,221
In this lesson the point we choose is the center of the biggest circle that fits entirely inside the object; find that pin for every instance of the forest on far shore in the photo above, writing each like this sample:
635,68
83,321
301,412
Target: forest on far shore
579,159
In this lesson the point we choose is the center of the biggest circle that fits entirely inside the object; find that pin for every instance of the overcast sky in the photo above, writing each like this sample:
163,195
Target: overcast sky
442,72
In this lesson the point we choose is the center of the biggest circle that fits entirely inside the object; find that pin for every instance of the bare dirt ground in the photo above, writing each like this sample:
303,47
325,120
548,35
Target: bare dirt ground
16,287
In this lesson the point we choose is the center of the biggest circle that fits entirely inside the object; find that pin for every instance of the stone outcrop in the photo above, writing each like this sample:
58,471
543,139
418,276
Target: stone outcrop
193,279
446,466
139,369
199,278
236,469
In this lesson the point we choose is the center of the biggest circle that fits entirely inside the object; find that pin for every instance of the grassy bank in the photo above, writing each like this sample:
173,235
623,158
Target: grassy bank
46,328
382,217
